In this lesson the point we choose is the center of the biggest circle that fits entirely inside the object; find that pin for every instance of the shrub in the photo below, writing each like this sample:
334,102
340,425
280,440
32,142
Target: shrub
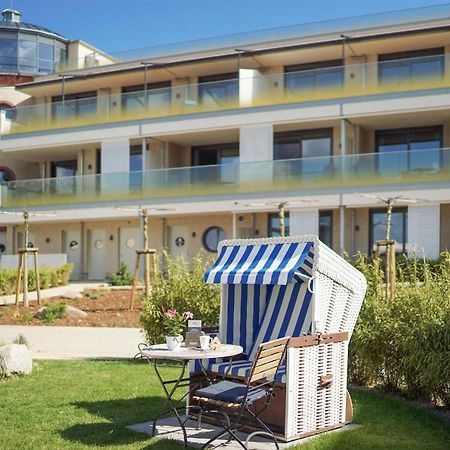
181,288
402,344
122,277
49,277
95,294
53,311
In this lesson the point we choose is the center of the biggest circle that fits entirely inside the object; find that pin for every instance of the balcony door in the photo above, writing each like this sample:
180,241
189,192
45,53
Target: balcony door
412,150
221,160
217,91
75,106
307,153
156,99
64,173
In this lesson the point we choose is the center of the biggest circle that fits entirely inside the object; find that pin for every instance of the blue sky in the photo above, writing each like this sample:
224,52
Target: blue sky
117,25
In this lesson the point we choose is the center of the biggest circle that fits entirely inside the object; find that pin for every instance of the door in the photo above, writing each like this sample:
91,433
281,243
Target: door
97,254
130,240
71,246
178,240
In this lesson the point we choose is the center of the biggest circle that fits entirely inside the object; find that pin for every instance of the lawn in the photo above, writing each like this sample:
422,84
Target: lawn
86,404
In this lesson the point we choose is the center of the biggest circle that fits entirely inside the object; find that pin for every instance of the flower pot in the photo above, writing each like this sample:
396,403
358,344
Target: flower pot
174,342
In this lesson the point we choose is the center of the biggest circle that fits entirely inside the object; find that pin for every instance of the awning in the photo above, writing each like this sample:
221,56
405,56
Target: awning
258,264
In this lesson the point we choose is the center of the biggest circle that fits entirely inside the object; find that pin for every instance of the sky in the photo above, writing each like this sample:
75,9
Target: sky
119,25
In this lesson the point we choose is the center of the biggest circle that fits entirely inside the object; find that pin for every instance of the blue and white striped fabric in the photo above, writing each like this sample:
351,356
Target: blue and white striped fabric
271,264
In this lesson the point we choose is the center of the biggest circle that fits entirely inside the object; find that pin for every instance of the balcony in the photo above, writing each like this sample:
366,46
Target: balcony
351,173
299,87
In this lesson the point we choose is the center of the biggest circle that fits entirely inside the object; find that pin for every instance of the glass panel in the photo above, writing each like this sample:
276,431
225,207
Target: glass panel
8,54
430,67
398,227
392,156
27,55
313,79
45,66
274,225
287,149
135,161
64,168
46,52
228,161
218,93
425,160
325,227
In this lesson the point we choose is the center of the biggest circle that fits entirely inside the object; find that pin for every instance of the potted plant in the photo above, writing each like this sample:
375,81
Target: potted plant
174,323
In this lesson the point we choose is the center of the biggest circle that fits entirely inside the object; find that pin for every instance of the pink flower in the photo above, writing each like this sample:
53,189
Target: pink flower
171,313
188,315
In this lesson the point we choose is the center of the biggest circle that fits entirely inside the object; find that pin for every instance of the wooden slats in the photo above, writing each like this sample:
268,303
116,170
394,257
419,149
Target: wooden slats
308,341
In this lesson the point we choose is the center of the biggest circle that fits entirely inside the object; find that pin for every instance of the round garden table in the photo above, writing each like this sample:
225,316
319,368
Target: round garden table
160,352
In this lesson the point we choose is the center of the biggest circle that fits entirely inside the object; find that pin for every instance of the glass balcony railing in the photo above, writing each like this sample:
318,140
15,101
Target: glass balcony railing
351,80
350,173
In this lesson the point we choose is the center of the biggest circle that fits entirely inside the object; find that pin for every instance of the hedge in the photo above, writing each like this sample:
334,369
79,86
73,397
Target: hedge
403,344
49,277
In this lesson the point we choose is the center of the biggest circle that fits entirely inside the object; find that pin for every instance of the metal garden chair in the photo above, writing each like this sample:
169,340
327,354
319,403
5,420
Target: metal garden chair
233,400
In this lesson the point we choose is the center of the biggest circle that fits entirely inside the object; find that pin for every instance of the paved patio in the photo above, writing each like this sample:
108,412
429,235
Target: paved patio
169,429
51,342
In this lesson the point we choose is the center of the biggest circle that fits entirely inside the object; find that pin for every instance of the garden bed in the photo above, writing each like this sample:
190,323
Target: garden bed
110,309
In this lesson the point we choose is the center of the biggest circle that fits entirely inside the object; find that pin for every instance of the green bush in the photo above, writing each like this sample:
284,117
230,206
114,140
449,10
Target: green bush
53,311
403,344
49,277
181,288
122,277
21,340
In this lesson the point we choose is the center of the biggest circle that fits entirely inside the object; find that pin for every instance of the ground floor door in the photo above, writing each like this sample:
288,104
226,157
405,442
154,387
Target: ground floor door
130,240
178,240
71,246
97,254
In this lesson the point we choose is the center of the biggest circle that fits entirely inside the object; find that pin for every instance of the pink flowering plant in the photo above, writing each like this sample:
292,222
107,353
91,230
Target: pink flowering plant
174,322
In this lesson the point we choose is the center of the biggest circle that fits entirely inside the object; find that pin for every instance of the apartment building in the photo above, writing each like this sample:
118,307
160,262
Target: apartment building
212,136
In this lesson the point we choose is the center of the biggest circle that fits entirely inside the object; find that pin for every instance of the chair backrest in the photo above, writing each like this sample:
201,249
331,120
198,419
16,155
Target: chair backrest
268,359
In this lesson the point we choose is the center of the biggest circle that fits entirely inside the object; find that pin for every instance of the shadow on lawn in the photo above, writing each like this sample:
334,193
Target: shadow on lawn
119,414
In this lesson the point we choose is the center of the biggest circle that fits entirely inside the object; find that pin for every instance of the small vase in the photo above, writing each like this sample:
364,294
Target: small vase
174,342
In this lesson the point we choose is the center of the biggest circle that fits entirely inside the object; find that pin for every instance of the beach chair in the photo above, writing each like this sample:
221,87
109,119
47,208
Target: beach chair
291,287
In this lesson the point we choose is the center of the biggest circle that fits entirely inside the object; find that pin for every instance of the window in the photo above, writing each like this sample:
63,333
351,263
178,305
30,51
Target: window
313,77
75,105
224,155
377,229
314,147
10,111
8,54
414,149
64,173
398,68
6,175
46,58
274,225
158,96
326,227
212,237
136,165
27,55
218,90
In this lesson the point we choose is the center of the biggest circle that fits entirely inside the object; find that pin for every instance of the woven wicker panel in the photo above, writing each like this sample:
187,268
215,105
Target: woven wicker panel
310,407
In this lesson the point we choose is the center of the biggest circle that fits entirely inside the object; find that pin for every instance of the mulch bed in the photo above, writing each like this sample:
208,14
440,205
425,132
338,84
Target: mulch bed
111,309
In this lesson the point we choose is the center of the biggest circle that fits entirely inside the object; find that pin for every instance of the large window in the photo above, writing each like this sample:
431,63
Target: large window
326,227
226,156
6,175
314,147
156,98
64,173
398,68
377,231
136,166
313,77
274,225
412,149
75,105
218,90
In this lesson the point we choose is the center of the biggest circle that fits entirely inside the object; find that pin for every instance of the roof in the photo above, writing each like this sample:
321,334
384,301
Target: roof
29,27
264,263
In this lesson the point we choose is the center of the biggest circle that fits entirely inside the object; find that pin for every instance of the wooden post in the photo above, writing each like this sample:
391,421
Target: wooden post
146,253
19,277
281,217
22,275
37,276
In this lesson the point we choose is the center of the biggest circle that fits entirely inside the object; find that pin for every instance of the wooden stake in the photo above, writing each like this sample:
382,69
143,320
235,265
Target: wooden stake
38,278
135,280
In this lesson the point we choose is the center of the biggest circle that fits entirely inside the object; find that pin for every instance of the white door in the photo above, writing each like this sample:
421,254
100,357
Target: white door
130,240
71,245
178,240
97,254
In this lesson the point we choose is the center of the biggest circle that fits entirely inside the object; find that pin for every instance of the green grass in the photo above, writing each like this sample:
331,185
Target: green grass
87,404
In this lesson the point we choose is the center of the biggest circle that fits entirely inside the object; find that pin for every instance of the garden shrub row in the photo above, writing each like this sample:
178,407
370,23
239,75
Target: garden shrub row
402,344
49,277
